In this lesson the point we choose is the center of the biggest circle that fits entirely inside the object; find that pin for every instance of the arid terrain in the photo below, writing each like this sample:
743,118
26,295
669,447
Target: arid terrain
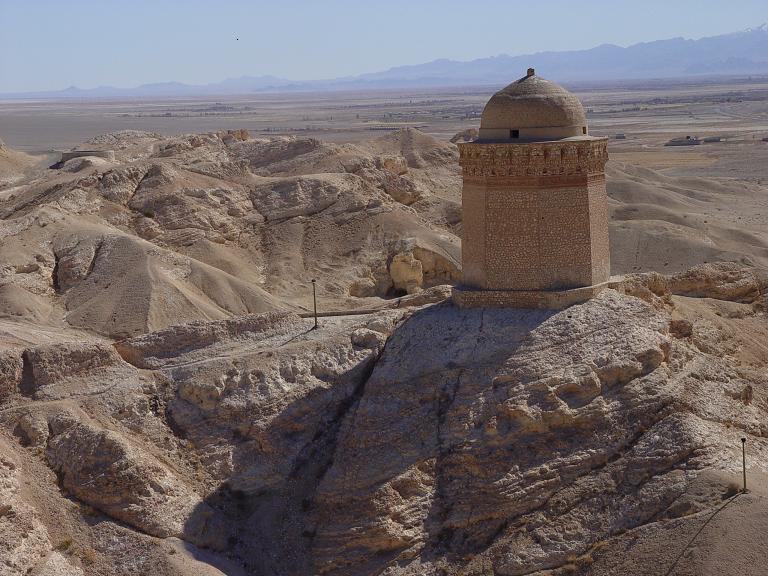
167,407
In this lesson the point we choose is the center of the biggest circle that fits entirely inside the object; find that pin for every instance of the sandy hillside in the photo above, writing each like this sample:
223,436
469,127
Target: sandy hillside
202,227
602,439
166,409
670,223
13,165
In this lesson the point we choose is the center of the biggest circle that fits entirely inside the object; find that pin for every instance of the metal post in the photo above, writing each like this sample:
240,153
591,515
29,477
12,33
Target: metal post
744,461
314,300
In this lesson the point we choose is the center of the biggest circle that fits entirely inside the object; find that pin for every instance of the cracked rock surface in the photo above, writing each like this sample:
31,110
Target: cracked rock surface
166,408
599,439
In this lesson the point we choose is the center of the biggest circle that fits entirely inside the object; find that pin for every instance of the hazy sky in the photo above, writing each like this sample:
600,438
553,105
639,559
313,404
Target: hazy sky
52,44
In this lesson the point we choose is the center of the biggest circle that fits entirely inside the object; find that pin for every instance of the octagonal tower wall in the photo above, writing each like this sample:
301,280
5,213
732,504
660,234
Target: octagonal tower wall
535,214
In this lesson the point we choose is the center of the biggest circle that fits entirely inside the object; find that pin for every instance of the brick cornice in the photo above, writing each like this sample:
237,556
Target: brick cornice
489,161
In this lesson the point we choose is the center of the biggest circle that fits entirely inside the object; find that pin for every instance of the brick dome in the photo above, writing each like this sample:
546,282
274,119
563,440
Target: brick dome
532,108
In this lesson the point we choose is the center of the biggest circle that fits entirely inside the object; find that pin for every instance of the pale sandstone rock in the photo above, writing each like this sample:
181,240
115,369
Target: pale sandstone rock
57,565
587,430
132,286
363,288
259,405
722,280
383,324
400,189
33,429
396,165
20,303
150,350
159,174
275,399
422,265
377,282
428,296
438,268
238,135
224,170
51,363
103,469
531,416
304,195
198,200
391,180
366,338
10,372
27,268
465,135
75,259
85,163
124,138
147,228
680,328
651,287
407,272
23,539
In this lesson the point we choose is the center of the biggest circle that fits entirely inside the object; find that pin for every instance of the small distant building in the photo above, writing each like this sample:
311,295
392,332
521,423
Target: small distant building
106,154
534,203
687,141
620,136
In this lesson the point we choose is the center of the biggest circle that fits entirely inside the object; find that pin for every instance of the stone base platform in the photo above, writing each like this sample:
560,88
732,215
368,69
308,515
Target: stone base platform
466,297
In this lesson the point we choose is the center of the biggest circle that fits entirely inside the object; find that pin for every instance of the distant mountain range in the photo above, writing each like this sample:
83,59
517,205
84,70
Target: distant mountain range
242,85
739,53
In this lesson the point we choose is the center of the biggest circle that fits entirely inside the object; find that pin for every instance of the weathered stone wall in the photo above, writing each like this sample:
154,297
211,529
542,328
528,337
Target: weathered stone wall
598,227
532,299
106,154
535,215
473,234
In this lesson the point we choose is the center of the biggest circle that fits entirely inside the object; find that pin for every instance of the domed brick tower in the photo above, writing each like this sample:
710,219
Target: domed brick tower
535,211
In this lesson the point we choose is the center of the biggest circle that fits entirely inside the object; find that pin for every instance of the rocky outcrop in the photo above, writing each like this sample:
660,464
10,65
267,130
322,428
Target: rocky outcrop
231,136
10,372
22,538
106,471
522,438
377,282
407,273
25,546
259,400
121,139
153,349
75,259
119,185
418,267
467,135
303,196
726,281
194,227
51,365
720,280
434,441
413,265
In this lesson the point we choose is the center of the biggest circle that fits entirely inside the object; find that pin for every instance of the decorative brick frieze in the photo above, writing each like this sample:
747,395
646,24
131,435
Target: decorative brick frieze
586,157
